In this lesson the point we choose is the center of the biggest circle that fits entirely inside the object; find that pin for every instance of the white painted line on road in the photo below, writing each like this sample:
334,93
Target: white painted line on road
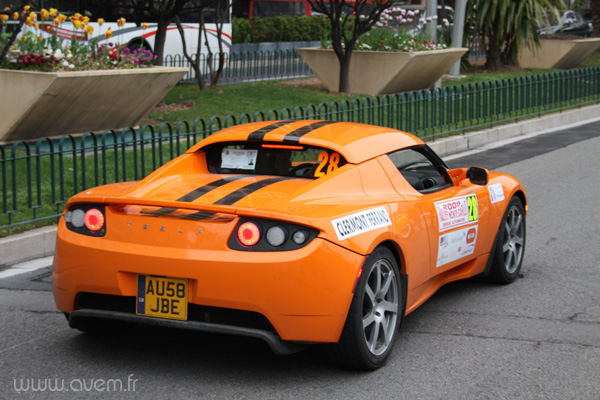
27,266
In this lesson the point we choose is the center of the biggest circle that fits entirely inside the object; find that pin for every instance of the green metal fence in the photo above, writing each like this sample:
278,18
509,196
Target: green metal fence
38,177
249,66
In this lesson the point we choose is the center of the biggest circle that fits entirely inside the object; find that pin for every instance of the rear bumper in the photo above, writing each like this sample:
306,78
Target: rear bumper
304,294
271,338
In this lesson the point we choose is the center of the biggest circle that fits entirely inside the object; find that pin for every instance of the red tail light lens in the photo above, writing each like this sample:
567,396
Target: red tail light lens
94,219
248,234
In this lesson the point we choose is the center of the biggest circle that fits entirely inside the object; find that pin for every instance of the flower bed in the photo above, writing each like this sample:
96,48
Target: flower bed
54,86
388,59
41,46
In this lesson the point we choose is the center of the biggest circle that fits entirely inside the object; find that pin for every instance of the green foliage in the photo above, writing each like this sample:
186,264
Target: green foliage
279,29
510,25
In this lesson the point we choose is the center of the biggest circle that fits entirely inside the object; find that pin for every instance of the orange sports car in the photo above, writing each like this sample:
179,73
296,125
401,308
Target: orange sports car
295,232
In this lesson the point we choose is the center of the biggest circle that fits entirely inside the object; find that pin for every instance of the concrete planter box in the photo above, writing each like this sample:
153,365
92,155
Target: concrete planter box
38,104
563,54
379,72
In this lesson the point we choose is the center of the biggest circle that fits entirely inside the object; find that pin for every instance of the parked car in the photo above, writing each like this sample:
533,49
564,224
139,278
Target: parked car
294,232
571,23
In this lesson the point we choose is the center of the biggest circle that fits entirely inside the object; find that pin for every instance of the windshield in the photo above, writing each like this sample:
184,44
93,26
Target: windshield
275,159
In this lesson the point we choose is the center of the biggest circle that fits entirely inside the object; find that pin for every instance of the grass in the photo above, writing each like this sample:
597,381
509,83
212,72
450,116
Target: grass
185,102
238,99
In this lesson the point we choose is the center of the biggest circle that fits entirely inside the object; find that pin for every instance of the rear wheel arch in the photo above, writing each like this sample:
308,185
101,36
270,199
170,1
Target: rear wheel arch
522,197
397,252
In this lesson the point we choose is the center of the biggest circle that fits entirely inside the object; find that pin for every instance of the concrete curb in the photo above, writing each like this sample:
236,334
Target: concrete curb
38,243
28,245
544,124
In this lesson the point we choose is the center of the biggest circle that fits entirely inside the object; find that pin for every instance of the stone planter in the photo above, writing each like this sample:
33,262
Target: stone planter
379,72
563,54
38,104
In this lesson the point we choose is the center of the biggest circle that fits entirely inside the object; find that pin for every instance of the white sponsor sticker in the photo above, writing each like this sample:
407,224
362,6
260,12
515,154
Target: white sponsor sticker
456,245
496,193
364,221
457,212
238,159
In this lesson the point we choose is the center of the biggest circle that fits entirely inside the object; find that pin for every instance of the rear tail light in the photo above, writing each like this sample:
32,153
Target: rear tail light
248,234
93,219
87,219
278,236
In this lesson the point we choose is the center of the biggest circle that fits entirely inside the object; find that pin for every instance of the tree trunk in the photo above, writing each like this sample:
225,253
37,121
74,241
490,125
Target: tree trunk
595,4
344,60
494,55
159,41
194,62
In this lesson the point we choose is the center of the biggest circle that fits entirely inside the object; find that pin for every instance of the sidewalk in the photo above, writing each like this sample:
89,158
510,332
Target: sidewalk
39,243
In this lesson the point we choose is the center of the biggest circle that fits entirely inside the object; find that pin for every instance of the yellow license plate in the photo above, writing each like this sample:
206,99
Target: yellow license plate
162,297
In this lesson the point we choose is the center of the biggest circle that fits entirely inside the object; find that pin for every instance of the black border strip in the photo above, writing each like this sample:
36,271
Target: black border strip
294,137
259,134
242,192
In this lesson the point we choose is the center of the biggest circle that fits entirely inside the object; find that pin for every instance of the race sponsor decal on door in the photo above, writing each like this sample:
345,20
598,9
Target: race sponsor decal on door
456,245
457,212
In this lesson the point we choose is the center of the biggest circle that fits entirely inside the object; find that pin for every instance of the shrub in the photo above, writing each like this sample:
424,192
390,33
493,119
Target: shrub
279,29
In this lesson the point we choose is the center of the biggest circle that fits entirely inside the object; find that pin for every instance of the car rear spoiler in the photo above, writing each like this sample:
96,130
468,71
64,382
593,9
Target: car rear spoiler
212,208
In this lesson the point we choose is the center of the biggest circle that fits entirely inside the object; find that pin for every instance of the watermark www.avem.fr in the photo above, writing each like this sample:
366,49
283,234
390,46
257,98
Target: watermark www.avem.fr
75,385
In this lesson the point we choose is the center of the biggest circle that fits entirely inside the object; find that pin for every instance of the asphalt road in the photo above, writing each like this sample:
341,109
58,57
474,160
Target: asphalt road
538,338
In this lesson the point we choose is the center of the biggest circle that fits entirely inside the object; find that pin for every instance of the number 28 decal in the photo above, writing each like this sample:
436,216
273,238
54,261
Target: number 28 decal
329,163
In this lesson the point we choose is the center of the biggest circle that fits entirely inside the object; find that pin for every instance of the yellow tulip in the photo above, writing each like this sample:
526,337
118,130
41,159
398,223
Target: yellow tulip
100,21
28,21
144,26
44,14
56,21
37,26
26,8
62,18
15,15
108,33
89,29
77,24
3,18
53,12
121,21
86,20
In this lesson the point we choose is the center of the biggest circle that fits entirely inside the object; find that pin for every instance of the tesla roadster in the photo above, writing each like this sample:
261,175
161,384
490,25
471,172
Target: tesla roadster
294,232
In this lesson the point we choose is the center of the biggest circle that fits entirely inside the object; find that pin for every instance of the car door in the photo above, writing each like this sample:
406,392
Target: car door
456,212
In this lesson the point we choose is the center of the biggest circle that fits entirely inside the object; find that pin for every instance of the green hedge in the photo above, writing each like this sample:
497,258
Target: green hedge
280,29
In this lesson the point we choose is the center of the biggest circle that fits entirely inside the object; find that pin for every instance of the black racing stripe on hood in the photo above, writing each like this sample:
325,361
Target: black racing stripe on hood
294,137
247,190
196,193
260,133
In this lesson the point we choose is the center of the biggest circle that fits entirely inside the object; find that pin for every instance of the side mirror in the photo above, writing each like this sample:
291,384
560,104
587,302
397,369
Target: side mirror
478,176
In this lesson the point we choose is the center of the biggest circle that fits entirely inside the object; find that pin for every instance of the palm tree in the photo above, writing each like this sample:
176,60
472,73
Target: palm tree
509,25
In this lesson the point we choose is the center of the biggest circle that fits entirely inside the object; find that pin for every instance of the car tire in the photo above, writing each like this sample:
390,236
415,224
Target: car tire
510,244
375,315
